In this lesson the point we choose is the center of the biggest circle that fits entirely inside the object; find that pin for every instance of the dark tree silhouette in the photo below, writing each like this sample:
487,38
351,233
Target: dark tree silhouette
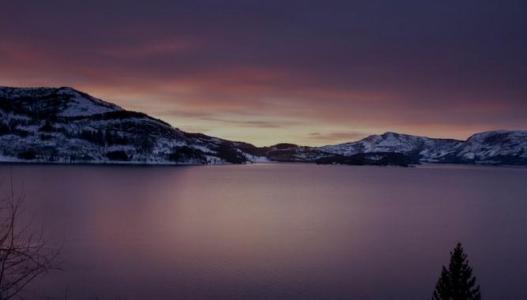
457,282
23,255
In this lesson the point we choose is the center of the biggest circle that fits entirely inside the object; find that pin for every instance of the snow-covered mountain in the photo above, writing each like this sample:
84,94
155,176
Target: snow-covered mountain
63,125
492,147
495,147
61,102
390,142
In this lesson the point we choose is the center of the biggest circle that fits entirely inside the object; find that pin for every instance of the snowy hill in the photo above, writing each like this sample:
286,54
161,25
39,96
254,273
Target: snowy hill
63,125
427,148
62,102
493,147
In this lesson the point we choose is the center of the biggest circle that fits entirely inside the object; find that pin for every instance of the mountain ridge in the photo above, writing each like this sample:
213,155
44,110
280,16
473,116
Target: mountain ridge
64,125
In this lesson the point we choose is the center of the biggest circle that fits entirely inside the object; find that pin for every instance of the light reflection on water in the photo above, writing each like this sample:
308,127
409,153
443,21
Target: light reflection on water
275,231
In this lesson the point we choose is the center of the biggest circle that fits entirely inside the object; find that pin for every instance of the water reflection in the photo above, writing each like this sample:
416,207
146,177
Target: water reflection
275,231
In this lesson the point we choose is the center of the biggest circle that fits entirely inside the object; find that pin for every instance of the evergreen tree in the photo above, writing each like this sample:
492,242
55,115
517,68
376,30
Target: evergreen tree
457,282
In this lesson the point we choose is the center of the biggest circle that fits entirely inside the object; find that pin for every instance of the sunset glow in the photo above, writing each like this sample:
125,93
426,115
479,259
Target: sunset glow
268,72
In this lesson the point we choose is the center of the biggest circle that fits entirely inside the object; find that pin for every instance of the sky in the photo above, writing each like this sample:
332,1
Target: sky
306,72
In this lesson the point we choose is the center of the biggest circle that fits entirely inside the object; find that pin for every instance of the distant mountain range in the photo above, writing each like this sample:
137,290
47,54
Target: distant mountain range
63,125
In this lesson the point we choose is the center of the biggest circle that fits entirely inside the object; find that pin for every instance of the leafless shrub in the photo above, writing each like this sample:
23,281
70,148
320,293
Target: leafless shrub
24,255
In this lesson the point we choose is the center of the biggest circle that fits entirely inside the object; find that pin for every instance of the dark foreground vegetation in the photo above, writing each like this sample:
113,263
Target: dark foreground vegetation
24,255
457,281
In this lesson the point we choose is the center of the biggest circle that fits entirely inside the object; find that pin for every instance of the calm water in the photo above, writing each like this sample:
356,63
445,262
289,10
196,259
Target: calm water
275,231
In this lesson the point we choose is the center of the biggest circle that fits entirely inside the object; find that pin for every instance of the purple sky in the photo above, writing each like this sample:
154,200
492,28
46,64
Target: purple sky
308,72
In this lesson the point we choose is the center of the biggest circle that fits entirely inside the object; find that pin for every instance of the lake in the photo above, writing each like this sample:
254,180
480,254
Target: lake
274,231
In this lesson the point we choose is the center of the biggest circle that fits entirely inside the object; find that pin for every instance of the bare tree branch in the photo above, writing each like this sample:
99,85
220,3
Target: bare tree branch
23,255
